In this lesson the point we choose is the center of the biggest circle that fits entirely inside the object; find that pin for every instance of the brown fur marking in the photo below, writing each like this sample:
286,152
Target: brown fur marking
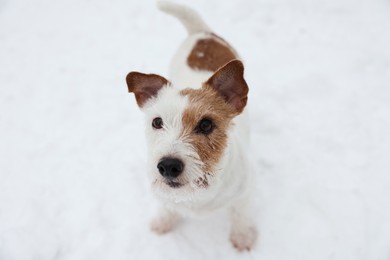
210,54
206,102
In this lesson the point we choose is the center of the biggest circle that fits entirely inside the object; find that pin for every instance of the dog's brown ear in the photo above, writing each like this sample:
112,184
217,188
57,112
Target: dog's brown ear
144,86
229,82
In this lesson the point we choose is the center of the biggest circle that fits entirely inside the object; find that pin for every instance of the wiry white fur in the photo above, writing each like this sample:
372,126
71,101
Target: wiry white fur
229,186
169,142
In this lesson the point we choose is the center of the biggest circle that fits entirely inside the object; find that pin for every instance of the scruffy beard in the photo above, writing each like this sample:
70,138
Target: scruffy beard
191,185
196,172
201,182
197,182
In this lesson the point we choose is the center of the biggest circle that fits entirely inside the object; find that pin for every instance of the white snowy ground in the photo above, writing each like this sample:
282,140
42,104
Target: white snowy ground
72,153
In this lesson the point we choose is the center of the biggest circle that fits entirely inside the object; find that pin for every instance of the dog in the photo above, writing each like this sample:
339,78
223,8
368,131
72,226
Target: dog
197,131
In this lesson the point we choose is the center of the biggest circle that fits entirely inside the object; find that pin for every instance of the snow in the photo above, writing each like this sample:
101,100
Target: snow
72,146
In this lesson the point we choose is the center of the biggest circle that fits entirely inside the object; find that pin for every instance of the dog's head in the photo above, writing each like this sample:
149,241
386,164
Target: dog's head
188,130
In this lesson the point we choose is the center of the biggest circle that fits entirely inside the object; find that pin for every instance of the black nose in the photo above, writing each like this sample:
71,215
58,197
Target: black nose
170,167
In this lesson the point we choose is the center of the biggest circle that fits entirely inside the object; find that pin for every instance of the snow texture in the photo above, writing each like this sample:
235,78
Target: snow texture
72,148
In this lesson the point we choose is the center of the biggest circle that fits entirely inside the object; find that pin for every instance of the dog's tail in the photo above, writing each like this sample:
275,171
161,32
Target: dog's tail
190,19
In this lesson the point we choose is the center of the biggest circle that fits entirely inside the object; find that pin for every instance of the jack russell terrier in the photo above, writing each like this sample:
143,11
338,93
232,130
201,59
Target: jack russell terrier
197,131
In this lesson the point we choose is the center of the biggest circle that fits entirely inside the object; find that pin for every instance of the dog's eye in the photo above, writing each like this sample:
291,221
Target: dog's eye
205,126
157,123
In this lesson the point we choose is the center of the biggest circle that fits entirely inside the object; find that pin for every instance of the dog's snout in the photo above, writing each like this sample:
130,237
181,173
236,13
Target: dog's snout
170,167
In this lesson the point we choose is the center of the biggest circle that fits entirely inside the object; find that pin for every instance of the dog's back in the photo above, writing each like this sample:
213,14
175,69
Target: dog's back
201,54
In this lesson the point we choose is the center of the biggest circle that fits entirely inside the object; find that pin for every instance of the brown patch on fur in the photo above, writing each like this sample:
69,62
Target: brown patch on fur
210,54
207,103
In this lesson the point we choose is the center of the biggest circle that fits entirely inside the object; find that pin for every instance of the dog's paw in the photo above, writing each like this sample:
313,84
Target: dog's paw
244,239
162,225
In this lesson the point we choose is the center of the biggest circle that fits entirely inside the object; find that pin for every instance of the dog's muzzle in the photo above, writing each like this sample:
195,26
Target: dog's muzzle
170,167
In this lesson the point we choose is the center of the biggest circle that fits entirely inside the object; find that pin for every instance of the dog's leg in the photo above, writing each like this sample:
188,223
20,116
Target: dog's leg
243,232
165,221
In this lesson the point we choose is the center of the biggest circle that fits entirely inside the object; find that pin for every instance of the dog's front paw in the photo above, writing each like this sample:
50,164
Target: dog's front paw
244,238
162,225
